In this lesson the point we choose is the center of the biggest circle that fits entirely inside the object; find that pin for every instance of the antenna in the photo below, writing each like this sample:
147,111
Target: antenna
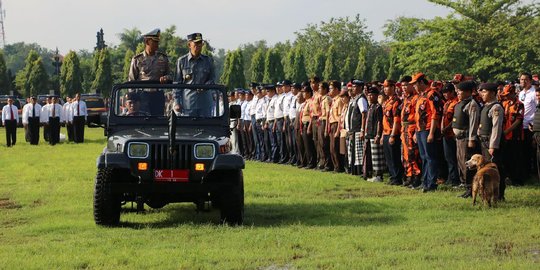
2,32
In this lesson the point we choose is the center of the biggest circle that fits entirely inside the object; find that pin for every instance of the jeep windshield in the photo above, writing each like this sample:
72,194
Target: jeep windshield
158,102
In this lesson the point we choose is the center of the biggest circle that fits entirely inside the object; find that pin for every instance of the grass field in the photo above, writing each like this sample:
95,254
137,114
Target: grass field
295,219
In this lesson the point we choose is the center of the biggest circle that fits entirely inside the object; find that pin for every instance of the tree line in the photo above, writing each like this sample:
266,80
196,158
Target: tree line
490,39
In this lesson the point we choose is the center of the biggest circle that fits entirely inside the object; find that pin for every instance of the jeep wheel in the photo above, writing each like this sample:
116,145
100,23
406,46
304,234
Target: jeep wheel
232,199
106,205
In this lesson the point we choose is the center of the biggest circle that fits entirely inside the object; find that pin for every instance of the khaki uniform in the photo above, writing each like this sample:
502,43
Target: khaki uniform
146,67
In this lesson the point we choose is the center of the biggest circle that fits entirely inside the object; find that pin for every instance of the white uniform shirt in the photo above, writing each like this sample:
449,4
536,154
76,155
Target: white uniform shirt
7,111
293,107
243,108
287,104
68,112
528,97
246,113
271,109
47,111
28,111
279,106
81,111
260,109
254,106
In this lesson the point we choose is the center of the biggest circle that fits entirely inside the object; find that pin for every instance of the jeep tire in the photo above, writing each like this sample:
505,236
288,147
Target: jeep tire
232,199
106,205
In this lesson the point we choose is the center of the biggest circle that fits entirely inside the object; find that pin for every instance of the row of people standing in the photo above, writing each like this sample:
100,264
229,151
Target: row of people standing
420,131
49,116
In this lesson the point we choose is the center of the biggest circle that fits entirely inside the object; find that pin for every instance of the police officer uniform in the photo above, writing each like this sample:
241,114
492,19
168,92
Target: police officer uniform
145,67
279,116
271,124
260,118
31,115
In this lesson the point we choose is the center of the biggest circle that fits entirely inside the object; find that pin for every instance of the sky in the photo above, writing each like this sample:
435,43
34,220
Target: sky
227,24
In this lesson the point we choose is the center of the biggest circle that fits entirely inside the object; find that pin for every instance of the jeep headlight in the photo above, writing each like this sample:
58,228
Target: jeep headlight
138,150
205,151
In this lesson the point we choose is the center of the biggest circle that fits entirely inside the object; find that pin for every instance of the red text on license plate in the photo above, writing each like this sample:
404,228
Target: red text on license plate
171,175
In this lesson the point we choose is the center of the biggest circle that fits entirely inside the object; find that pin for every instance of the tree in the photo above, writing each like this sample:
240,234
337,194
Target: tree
257,65
361,66
130,38
378,69
331,69
298,73
22,77
233,70
70,75
103,81
38,79
347,69
5,85
273,68
317,66
127,64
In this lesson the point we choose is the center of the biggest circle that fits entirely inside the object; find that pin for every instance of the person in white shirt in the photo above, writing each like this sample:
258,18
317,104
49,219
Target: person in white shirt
31,120
528,97
44,118
280,121
250,150
241,130
79,118
68,117
55,117
10,118
26,132
292,118
270,125
260,118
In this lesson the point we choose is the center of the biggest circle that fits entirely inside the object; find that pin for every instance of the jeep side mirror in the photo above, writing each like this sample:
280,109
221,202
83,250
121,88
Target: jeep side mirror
235,111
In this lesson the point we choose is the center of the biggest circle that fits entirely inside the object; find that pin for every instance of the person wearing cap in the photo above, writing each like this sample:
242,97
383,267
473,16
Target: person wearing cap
490,130
391,133
279,116
465,123
260,117
289,105
315,109
297,122
31,114
246,126
355,124
527,97
448,135
374,164
427,115
195,68
334,115
151,64
322,128
513,135
310,160
270,125
10,118
411,156
132,103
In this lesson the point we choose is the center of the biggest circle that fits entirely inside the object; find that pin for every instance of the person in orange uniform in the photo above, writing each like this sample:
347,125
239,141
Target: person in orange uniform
391,133
427,115
513,137
448,136
411,156
334,115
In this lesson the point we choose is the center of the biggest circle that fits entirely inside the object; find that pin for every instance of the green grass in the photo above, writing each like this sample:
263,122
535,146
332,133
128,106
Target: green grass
295,219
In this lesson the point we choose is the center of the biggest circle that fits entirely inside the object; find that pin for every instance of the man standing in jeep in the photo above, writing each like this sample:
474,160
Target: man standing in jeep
150,64
195,68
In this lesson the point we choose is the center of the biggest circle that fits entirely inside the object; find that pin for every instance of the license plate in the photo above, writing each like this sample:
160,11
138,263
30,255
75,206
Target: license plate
171,175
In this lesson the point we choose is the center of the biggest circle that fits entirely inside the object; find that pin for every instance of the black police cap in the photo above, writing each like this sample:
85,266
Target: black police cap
466,86
286,83
373,90
492,87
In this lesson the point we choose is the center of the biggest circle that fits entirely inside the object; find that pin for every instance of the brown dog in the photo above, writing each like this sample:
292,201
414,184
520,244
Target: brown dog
486,180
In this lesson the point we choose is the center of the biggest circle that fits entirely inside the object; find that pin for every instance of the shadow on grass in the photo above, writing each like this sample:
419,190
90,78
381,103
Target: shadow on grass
344,213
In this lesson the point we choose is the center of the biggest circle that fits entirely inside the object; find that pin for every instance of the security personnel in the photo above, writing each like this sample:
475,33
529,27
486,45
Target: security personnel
150,65
68,117
391,133
10,118
53,115
279,116
260,118
79,113
448,135
253,125
513,137
427,115
411,156
293,118
270,125
465,127
490,130
355,124
31,115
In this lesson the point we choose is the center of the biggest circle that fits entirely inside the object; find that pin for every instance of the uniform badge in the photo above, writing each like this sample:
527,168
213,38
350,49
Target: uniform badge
388,113
436,98
496,113
187,77
454,119
422,107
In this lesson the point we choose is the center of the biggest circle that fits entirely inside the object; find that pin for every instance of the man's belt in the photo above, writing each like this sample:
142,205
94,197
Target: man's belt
279,118
260,121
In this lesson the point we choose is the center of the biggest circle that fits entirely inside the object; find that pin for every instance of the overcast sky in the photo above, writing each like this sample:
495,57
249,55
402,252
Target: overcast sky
72,24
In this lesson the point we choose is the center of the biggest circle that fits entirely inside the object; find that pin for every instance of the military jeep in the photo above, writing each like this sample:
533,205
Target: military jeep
168,143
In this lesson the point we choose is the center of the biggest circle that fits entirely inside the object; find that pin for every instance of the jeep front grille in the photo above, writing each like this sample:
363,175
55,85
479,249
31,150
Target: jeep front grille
162,158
